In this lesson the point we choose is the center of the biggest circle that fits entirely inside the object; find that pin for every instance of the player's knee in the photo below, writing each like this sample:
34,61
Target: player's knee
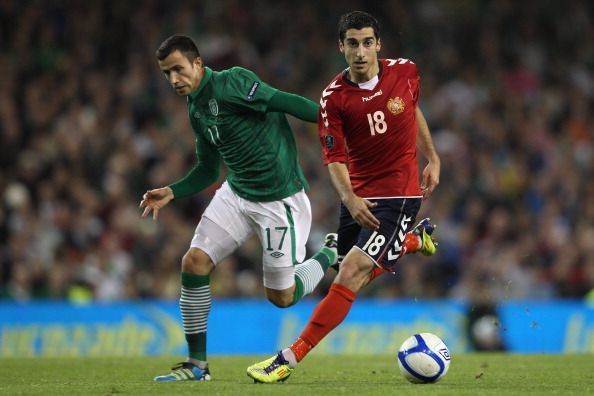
353,275
281,299
281,302
196,261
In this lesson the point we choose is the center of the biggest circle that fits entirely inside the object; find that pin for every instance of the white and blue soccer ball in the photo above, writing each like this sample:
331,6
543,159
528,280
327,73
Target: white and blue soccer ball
423,358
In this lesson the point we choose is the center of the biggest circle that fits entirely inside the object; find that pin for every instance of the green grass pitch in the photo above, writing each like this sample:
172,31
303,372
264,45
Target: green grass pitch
470,374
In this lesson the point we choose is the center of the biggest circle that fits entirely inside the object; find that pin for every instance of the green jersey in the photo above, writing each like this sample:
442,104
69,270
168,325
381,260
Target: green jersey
228,113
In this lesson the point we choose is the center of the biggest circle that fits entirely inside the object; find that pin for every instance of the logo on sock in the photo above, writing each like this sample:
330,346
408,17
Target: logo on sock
277,254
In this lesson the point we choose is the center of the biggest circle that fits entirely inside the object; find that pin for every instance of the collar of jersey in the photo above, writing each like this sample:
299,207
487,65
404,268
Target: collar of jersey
205,79
345,75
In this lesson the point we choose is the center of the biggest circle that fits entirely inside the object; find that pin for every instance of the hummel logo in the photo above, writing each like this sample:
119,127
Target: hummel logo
368,98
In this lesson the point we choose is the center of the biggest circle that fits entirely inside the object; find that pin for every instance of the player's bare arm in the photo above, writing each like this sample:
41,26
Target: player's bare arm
430,176
358,207
154,200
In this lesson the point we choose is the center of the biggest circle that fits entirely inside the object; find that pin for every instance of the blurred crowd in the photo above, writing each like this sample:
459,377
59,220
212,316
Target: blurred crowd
88,123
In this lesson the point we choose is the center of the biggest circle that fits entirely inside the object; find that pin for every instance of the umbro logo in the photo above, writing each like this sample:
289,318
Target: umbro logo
277,254
445,353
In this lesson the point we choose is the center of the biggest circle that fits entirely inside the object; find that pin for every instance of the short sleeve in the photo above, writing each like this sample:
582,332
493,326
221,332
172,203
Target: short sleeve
330,131
244,88
414,81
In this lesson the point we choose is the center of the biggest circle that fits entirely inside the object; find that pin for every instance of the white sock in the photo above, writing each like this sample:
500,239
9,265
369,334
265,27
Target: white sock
201,364
290,357
311,273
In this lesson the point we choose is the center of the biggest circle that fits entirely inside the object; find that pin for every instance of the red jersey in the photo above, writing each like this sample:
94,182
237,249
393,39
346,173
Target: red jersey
374,131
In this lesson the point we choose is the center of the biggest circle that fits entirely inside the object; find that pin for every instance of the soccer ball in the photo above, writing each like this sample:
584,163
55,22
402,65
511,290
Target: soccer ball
423,358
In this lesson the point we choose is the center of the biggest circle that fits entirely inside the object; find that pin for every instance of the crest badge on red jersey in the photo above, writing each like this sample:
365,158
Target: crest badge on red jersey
396,105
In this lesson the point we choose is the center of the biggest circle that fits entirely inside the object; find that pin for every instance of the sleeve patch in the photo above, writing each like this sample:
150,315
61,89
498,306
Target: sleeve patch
252,92
329,141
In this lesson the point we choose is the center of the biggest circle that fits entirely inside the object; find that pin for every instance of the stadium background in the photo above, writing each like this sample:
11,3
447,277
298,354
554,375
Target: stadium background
87,124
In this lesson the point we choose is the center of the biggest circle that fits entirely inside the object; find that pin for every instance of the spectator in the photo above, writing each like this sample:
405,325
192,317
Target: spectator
510,101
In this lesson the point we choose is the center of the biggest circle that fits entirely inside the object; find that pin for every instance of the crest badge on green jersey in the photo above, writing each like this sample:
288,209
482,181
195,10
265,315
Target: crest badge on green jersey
214,107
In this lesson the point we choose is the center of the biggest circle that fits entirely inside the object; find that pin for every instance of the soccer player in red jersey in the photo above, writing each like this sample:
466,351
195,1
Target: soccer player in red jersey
370,127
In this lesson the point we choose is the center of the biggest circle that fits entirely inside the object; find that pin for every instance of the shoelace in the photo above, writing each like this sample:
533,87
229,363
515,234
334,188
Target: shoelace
182,365
275,363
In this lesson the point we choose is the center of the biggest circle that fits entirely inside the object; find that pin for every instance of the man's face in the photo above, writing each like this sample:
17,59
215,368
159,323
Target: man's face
360,48
183,75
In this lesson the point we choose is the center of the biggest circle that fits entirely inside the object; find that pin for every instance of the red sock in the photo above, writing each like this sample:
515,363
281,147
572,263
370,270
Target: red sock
329,313
300,348
412,243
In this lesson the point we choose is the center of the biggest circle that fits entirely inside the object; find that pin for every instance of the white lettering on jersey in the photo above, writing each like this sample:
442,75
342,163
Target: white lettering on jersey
368,98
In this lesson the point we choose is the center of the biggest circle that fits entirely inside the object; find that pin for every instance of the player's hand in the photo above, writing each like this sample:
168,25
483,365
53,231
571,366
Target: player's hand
154,200
359,208
430,178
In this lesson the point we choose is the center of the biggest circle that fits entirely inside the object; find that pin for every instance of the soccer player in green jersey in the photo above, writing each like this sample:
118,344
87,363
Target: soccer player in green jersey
240,120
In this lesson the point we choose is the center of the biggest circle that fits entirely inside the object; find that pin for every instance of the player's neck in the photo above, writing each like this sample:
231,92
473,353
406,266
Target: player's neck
369,85
358,78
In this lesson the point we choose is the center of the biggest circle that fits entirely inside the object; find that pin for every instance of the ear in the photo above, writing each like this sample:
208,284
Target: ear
378,47
198,62
340,46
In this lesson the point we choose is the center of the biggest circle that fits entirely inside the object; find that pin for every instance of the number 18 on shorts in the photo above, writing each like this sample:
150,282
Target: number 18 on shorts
384,246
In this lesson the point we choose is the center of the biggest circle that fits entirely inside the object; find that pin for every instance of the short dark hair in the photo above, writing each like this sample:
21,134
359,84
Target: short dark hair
183,44
357,20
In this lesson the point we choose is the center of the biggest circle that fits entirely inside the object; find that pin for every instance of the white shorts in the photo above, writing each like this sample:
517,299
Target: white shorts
282,227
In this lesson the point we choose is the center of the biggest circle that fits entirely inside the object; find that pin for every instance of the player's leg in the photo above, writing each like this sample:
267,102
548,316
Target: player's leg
373,248
310,272
221,231
303,277
417,240
329,313
283,227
